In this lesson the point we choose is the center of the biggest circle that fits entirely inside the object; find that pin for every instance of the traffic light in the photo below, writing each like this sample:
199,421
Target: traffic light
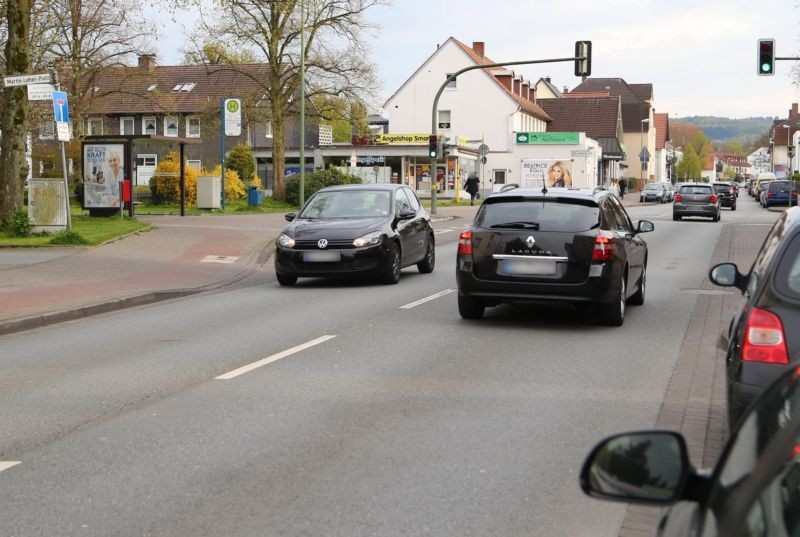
433,146
583,49
766,57
444,146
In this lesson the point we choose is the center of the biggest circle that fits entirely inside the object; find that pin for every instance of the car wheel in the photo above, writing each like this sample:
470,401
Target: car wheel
426,265
716,217
392,274
470,308
286,280
676,217
733,207
638,297
614,314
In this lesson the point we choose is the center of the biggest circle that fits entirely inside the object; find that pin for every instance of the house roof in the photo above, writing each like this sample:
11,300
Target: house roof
645,91
524,104
584,94
173,89
634,107
552,87
662,129
780,134
596,116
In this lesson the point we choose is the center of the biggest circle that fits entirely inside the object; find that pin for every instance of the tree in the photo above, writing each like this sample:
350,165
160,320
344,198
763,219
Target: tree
690,166
346,118
335,54
240,159
14,113
218,54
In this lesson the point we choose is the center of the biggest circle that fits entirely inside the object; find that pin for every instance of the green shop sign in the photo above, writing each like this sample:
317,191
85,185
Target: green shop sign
548,137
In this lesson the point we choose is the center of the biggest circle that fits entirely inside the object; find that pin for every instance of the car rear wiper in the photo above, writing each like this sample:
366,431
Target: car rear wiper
518,225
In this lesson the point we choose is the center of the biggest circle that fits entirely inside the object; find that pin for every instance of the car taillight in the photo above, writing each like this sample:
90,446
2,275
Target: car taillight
763,338
712,199
604,248
770,194
794,194
465,243
678,197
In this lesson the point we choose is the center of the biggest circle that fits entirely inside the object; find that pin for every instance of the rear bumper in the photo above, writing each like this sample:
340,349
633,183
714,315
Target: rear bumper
680,209
745,384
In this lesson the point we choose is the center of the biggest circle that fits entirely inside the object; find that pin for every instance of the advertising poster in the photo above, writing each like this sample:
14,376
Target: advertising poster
537,173
102,173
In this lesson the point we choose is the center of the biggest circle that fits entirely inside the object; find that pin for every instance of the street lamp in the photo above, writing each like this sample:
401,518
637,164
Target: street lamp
641,153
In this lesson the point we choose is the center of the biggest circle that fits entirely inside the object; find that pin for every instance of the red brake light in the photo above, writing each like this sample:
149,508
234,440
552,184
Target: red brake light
770,193
604,249
712,199
465,243
678,197
763,338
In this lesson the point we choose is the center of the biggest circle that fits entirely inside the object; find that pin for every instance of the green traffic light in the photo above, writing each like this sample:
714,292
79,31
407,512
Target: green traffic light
766,67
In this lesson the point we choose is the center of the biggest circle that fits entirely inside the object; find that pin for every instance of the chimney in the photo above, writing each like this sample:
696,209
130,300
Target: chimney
526,91
793,113
478,47
566,90
148,62
547,79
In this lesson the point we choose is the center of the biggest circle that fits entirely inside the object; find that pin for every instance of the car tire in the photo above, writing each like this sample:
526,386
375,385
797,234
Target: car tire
676,218
470,308
614,314
733,207
392,274
429,261
286,280
637,299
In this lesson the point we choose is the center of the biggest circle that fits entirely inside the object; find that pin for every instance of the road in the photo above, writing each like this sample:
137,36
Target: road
366,409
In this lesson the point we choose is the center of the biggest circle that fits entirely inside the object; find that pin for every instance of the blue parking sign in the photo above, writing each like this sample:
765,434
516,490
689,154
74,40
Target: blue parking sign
60,106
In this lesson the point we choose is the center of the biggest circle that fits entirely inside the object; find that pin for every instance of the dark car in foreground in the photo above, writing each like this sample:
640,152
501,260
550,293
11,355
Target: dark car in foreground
696,199
780,193
754,489
372,229
726,193
763,337
565,245
654,192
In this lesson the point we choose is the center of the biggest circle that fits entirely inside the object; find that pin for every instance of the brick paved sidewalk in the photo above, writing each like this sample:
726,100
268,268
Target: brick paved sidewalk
694,402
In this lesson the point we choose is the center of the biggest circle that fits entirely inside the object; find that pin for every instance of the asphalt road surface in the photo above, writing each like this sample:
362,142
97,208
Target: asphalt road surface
338,408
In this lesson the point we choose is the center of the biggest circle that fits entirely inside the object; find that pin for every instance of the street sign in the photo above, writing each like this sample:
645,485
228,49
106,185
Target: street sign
644,155
40,92
24,80
580,153
483,150
233,117
60,107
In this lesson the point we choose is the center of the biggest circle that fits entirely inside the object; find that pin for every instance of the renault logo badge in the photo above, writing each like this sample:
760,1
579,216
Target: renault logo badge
530,241
322,243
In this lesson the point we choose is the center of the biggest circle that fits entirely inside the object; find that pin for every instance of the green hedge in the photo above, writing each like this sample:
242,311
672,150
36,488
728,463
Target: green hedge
315,181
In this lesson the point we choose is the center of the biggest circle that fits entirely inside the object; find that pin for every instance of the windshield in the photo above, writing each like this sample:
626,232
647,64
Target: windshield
653,187
347,204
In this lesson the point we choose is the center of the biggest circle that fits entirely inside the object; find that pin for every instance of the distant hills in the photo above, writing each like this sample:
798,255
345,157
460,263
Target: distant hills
723,129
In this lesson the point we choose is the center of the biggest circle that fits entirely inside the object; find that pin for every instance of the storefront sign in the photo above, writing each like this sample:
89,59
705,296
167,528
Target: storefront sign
370,161
404,139
566,138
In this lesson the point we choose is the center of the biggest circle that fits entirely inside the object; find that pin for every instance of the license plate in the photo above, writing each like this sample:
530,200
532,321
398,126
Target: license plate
320,257
528,267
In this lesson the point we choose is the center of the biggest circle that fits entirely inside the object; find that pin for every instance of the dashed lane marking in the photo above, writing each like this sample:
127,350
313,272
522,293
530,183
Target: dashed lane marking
440,231
224,259
5,465
274,358
426,299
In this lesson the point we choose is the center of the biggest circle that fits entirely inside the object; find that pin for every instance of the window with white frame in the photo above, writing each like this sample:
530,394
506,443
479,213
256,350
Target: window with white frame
196,164
444,119
149,125
268,129
94,126
452,84
193,127
126,126
171,126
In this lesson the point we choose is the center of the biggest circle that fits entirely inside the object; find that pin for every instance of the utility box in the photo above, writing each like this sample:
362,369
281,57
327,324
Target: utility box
209,192
47,208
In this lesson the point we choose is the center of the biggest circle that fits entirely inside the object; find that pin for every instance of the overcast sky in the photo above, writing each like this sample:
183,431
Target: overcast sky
700,56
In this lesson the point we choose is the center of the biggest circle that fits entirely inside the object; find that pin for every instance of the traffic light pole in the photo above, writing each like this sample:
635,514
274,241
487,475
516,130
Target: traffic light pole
453,77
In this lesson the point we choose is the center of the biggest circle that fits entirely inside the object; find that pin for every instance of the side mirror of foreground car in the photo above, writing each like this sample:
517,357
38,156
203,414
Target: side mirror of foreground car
728,275
649,467
406,215
644,226
290,216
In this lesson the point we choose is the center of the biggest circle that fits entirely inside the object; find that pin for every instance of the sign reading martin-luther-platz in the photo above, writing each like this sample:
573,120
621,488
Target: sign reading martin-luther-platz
24,80
548,138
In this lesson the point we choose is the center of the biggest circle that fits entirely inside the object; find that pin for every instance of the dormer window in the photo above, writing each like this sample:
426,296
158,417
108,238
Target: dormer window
189,86
152,87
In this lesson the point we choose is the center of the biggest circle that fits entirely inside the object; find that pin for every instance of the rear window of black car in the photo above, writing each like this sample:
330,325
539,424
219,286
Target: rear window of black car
546,214
696,190
722,188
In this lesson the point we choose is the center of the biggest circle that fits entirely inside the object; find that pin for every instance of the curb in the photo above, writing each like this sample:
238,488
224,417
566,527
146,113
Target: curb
37,321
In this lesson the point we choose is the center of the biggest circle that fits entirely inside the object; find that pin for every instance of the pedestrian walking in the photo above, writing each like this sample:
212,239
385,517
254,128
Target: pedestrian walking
622,187
472,186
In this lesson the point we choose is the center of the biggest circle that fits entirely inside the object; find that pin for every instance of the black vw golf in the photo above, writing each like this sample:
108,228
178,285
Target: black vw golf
372,229
530,245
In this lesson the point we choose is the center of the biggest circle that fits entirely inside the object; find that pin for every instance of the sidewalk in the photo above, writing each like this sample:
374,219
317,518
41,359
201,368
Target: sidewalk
177,256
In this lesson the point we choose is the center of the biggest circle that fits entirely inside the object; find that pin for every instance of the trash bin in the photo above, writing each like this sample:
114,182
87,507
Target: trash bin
254,196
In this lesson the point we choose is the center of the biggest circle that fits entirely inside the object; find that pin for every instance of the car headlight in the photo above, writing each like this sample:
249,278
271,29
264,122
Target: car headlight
368,240
285,241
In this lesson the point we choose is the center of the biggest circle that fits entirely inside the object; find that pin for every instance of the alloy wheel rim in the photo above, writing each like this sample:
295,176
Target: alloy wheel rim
622,299
396,263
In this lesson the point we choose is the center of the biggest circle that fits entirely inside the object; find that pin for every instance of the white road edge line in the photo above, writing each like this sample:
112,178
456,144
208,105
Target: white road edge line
274,358
440,231
5,465
426,299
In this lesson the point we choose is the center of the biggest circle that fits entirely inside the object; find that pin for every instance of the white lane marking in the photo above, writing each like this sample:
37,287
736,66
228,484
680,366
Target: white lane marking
224,259
5,465
274,358
440,231
426,299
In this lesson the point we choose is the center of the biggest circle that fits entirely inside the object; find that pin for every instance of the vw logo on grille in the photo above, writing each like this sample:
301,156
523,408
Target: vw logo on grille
322,243
530,241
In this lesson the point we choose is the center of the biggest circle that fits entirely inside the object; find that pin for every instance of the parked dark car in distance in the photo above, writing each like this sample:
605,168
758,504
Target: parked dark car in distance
696,199
780,193
763,336
372,229
564,245
726,193
754,489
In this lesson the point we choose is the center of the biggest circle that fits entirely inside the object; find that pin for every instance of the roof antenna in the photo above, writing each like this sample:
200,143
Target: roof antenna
544,188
